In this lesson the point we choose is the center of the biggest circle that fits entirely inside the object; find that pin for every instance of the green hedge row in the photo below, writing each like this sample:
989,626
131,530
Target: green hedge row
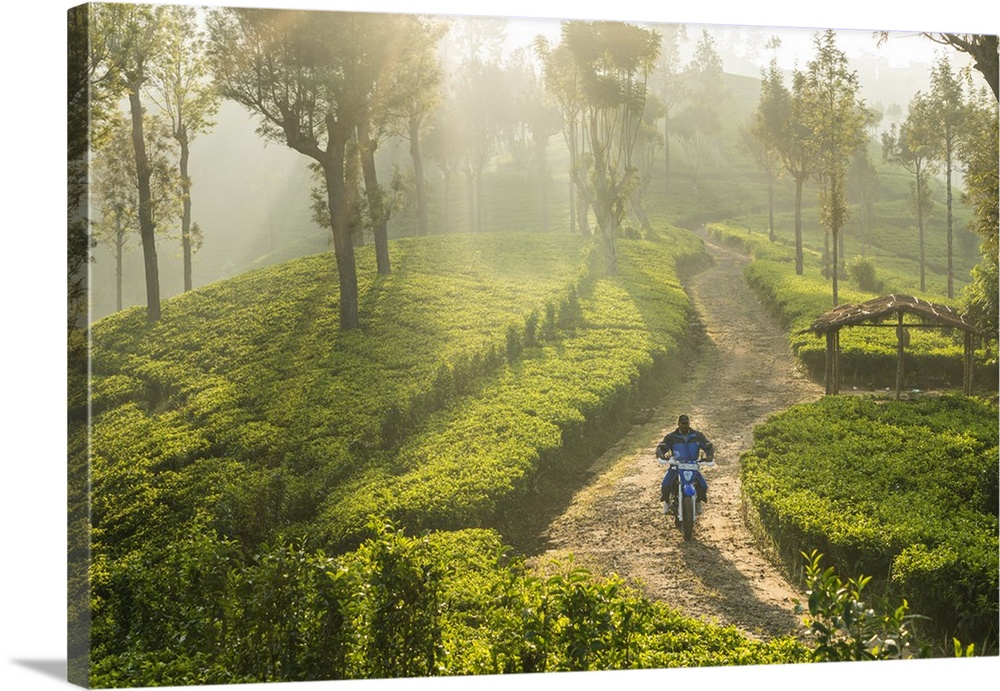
444,604
245,413
868,357
903,491
475,463
246,398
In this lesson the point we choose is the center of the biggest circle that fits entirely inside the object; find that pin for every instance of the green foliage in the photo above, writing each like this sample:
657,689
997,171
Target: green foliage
475,460
905,490
864,275
243,436
844,626
447,603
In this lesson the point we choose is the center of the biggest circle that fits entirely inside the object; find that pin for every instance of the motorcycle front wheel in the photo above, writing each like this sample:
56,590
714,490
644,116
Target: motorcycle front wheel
687,523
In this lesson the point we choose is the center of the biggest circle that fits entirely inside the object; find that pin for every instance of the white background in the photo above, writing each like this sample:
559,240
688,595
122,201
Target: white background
32,552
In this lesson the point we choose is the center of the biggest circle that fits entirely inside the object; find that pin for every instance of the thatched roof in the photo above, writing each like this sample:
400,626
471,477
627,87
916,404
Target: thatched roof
875,311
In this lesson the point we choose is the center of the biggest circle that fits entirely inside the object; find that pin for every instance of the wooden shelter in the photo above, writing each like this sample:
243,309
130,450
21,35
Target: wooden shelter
889,311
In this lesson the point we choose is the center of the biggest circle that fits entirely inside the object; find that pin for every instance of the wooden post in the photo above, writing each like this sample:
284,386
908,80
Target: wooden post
836,361
832,366
900,334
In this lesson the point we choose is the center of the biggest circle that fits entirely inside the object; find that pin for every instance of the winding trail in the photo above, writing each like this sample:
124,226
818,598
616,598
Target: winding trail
741,373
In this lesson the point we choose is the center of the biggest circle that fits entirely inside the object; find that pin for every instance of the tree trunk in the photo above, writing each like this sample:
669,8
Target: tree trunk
610,253
119,250
471,199
583,217
543,180
951,266
640,213
420,186
376,206
182,139
920,228
826,251
770,207
798,225
333,168
146,227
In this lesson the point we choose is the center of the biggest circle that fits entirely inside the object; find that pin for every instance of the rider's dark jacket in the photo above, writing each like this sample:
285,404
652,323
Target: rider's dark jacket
684,446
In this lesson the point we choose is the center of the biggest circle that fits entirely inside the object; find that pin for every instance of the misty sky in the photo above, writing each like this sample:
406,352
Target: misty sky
251,197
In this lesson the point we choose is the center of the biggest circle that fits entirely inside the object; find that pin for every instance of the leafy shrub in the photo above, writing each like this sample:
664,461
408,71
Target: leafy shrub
903,490
845,627
446,603
246,417
864,275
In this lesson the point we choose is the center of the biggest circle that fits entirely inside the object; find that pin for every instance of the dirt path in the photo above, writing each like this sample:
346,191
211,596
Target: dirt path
743,372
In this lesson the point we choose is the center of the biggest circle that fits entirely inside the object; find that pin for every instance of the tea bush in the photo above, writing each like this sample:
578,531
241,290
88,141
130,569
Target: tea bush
247,420
904,491
445,603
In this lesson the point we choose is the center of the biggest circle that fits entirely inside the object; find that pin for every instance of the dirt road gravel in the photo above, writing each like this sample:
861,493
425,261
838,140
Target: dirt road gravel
743,372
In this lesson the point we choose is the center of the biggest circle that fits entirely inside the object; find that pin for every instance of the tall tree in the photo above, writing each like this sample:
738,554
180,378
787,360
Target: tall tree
863,185
128,40
387,99
794,146
444,148
115,187
478,104
307,76
614,60
532,121
837,118
81,98
947,115
421,71
563,82
698,125
977,149
649,141
983,50
910,146
667,83
767,125
478,101
179,84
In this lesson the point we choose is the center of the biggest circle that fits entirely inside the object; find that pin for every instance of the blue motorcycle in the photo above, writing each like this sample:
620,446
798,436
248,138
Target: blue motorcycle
687,509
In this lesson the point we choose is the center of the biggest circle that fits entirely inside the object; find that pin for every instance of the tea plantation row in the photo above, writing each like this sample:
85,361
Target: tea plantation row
243,437
902,491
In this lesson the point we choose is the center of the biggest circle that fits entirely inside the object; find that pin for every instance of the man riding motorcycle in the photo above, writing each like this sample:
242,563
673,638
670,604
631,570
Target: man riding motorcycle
683,444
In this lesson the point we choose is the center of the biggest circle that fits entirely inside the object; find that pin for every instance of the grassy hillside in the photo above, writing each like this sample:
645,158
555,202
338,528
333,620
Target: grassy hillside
243,438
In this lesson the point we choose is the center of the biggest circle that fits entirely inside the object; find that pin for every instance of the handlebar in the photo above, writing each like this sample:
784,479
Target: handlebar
687,465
